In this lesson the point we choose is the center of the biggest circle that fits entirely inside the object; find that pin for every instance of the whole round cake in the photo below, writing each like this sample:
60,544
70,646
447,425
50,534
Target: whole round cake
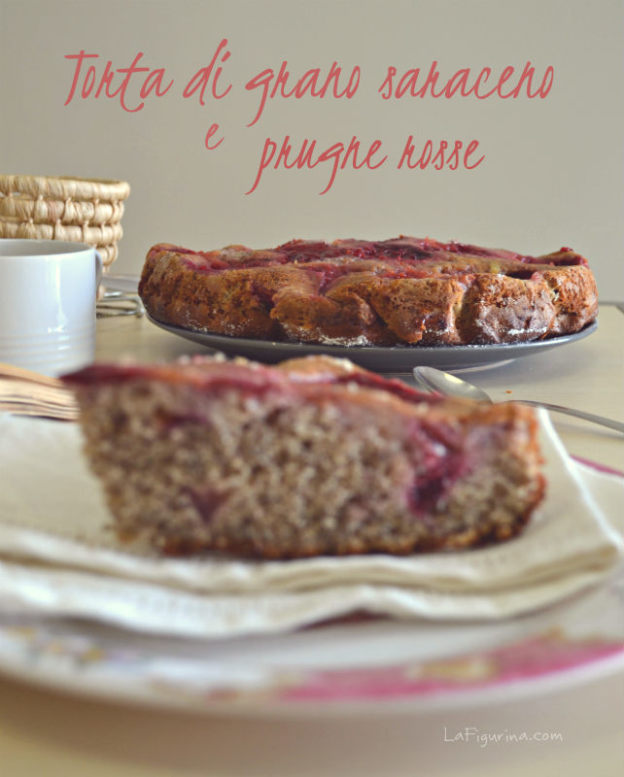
404,291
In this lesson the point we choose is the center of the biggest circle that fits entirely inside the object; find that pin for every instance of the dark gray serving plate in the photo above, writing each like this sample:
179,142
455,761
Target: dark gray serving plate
399,358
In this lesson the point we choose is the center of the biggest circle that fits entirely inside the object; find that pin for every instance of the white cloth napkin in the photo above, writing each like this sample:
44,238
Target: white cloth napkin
57,555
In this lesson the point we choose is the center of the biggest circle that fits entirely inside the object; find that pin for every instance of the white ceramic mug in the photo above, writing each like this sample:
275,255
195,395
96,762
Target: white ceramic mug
48,290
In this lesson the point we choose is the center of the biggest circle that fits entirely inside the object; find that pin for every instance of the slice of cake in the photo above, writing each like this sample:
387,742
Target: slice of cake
315,456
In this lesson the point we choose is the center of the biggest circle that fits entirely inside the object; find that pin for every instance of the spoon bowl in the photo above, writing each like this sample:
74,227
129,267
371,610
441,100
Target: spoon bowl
449,385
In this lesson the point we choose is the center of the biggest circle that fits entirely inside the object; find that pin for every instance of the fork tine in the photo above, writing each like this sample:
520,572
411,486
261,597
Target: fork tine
60,414
11,371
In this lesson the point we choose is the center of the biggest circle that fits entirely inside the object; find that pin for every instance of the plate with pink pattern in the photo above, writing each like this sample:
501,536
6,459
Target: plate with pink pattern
357,664
354,665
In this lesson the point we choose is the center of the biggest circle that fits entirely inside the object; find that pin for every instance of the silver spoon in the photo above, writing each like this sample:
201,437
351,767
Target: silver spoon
431,379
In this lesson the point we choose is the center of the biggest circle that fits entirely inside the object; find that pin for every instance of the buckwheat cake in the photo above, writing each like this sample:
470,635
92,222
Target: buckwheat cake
314,456
405,291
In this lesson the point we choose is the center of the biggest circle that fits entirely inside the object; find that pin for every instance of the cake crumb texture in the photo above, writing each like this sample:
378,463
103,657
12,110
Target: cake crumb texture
313,457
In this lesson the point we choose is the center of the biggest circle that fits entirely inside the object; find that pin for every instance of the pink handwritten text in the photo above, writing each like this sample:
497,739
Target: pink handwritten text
338,155
441,155
312,82
131,86
203,78
212,130
85,80
465,84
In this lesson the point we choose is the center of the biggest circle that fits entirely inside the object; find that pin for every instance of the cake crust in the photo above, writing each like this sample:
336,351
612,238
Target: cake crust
405,291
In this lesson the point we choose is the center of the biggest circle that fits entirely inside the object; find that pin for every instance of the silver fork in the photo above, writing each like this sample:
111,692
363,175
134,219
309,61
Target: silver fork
23,392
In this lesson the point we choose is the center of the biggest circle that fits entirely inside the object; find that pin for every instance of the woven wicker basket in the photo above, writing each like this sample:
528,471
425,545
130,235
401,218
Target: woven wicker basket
77,209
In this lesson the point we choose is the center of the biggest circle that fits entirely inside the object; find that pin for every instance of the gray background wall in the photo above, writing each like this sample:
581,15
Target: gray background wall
553,168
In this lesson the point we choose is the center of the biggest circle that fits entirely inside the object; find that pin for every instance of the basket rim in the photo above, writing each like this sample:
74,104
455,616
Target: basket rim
64,186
